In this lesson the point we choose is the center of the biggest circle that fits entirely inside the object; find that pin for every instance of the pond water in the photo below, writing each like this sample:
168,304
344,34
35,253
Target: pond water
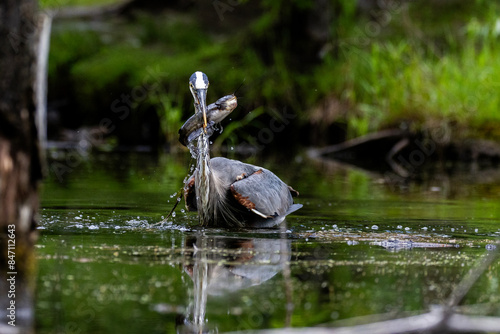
362,249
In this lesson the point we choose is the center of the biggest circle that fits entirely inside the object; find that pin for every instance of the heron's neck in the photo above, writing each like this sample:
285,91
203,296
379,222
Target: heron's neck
203,179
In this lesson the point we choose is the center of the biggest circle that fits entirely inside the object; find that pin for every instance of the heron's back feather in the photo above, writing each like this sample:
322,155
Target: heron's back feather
239,190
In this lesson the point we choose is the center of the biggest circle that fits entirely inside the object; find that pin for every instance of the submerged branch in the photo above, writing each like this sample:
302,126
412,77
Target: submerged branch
473,275
441,319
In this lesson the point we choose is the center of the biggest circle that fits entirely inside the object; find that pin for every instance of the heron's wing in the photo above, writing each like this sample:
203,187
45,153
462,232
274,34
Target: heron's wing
190,194
263,193
293,207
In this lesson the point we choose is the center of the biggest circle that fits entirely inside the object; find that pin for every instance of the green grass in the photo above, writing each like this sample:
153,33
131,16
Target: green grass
395,79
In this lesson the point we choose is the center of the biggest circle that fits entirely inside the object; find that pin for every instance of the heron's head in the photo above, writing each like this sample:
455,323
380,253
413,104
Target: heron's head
198,85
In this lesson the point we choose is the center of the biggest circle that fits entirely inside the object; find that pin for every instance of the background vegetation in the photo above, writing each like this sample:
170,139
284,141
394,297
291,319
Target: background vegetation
399,64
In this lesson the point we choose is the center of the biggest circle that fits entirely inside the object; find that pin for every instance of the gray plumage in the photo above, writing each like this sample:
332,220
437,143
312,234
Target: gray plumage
228,192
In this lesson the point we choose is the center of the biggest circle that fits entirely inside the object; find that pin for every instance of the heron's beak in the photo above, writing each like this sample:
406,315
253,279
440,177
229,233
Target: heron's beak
201,100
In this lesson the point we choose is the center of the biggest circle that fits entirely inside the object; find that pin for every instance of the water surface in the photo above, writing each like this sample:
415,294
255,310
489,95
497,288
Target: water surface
360,250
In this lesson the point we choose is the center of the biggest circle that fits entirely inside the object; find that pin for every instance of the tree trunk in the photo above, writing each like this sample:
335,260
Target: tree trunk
20,166
20,169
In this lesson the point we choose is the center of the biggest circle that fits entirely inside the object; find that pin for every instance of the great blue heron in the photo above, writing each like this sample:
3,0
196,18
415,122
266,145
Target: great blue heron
227,192
220,265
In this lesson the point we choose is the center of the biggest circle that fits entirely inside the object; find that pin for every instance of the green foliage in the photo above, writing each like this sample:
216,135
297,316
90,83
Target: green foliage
129,60
417,63
71,46
170,114
54,4
228,135
392,79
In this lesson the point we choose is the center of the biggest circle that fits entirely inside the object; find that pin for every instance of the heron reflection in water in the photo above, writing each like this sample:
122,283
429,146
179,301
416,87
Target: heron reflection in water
228,192
224,267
